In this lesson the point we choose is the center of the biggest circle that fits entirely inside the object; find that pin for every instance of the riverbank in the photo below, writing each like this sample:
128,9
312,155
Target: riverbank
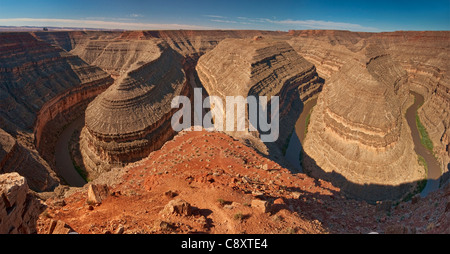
63,160
427,159
294,149
433,167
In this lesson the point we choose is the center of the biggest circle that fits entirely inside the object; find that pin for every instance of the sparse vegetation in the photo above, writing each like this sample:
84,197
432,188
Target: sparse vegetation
221,201
424,138
290,230
421,184
307,122
238,216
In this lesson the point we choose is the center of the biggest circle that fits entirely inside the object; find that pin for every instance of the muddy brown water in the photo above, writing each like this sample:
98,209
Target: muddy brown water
297,137
434,170
63,160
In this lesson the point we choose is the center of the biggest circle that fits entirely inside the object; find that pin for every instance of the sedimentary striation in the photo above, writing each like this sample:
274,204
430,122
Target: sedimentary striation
358,137
423,55
426,58
132,117
259,67
42,88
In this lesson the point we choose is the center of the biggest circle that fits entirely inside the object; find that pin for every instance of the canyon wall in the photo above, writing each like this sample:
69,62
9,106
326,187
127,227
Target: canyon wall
16,157
358,137
259,67
42,88
424,56
132,117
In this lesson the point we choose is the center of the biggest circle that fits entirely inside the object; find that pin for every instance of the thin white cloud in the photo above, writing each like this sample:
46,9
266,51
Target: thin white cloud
307,24
257,20
83,23
224,21
320,24
135,15
215,16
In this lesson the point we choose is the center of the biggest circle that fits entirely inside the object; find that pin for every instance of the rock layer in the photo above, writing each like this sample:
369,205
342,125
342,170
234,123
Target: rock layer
263,67
42,88
132,117
424,56
358,137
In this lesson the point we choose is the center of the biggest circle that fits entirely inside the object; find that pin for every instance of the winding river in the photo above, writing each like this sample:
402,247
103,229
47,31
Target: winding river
63,160
297,137
434,170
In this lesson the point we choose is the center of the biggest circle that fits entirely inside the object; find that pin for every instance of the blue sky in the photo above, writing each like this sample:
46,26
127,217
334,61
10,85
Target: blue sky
372,16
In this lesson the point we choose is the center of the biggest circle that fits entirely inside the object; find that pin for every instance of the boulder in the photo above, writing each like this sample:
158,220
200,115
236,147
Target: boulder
60,227
260,205
177,206
19,209
96,193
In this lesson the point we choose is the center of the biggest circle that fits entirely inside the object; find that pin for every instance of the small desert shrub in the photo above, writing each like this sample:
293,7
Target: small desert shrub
238,216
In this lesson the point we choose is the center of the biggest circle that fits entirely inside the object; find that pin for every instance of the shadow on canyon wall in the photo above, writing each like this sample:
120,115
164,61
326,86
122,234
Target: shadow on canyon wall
370,193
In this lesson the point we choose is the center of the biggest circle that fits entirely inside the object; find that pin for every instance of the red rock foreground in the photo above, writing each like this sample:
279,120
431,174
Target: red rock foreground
209,182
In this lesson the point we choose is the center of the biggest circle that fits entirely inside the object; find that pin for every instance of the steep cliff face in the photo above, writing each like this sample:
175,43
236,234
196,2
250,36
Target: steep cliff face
42,88
424,56
358,136
19,209
262,67
15,157
132,117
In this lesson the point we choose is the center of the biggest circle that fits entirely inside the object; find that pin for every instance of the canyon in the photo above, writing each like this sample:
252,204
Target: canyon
357,157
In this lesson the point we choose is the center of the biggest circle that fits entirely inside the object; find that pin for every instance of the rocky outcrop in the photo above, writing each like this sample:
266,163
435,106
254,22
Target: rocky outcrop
7,146
222,193
132,117
358,137
19,209
15,157
263,67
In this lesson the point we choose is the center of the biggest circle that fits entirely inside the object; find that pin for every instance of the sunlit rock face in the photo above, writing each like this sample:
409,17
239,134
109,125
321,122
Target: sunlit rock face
358,135
259,66
132,117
